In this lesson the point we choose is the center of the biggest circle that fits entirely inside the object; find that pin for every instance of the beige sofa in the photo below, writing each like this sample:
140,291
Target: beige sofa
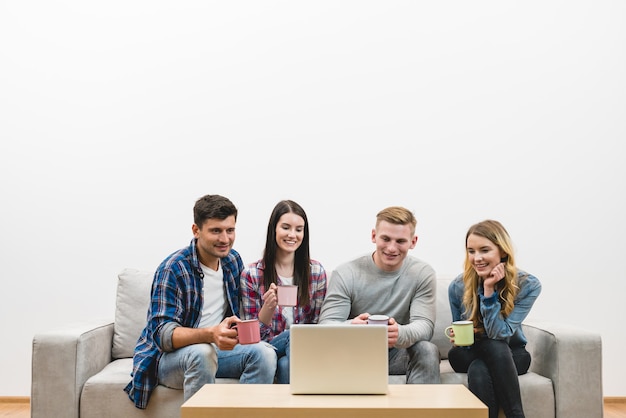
81,370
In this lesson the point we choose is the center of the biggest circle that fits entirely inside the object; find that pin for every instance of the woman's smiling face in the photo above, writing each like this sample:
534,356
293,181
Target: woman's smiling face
483,254
289,232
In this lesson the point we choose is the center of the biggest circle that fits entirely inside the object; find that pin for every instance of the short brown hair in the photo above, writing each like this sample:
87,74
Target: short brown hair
397,215
213,206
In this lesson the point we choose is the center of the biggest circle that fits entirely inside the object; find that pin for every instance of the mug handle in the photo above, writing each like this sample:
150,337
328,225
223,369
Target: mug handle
445,331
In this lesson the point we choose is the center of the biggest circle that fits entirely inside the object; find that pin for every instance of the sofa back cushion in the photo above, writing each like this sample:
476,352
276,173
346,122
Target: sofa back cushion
131,308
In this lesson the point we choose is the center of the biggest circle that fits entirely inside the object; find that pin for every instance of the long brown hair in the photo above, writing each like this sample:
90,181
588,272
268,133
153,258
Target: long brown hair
507,287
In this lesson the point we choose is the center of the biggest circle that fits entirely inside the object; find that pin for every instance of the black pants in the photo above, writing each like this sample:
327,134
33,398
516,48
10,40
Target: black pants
492,368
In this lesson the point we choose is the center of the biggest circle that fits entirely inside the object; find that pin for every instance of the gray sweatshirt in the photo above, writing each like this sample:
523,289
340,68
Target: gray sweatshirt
408,295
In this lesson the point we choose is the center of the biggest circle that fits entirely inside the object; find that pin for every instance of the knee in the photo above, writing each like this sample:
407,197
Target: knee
264,354
478,374
425,351
202,357
459,359
522,361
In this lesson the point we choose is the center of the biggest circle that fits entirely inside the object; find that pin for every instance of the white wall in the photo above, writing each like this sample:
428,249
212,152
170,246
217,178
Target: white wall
115,116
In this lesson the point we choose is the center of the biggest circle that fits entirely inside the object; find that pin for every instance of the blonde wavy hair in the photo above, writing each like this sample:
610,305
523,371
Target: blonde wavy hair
507,287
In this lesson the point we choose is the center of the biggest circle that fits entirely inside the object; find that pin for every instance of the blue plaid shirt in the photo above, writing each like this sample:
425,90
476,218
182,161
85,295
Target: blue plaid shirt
176,297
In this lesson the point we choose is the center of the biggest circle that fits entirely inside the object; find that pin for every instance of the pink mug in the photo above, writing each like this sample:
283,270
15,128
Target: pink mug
248,331
287,295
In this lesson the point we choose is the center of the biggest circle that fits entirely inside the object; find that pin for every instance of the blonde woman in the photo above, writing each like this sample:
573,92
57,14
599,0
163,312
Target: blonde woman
496,296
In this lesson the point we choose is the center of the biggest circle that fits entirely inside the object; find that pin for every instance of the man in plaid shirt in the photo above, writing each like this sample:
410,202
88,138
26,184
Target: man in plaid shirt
189,340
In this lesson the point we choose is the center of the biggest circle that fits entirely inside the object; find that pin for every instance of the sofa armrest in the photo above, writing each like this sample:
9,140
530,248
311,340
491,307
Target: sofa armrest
572,359
62,361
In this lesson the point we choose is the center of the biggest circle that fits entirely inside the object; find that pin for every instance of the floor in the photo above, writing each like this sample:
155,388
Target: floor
612,409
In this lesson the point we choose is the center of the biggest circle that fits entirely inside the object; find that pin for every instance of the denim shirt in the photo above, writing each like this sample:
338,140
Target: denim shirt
497,327
176,300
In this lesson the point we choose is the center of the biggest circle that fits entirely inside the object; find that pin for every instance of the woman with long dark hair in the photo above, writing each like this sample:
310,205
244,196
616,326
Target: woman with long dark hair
286,261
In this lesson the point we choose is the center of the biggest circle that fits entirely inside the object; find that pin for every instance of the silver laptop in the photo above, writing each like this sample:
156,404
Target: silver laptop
338,359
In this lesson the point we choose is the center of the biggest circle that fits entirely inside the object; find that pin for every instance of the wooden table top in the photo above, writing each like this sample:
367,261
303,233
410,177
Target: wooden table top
276,401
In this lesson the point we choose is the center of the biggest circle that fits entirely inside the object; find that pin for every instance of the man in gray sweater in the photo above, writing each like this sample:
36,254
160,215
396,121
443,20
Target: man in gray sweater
390,282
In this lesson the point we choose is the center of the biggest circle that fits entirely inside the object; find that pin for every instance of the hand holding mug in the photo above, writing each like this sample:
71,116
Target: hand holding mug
270,298
392,333
270,301
361,319
224,336
390,323
461,333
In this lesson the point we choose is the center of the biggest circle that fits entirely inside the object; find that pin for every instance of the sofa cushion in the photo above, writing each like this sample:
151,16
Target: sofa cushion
131,308
103,395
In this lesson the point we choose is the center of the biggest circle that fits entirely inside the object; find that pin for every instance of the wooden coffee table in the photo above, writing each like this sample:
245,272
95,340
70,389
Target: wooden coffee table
276,401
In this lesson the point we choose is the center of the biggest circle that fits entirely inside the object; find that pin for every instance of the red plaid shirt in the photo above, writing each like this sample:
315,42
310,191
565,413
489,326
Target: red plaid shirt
252,290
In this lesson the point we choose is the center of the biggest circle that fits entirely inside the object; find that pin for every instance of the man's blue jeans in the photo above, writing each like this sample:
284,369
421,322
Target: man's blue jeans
191,367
